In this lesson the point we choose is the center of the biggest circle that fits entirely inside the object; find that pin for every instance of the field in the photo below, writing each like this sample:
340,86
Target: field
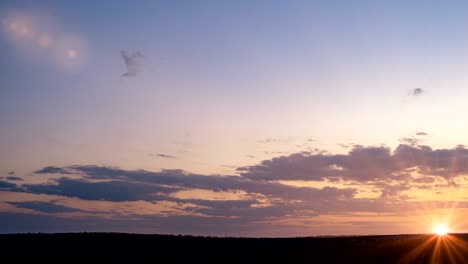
132,248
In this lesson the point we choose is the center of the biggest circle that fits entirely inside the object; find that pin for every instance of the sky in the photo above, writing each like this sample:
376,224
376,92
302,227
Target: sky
237,118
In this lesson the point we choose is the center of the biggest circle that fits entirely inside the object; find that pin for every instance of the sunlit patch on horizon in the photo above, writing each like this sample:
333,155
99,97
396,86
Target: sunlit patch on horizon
441,229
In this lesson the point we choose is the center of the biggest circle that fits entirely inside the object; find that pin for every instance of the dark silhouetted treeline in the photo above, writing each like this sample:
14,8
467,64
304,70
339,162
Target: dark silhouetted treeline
131,248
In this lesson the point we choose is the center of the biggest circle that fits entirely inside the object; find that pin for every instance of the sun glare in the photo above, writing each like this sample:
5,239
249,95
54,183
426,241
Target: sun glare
441,230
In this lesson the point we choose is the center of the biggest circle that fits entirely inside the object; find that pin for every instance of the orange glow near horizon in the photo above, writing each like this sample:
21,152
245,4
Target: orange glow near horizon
441,230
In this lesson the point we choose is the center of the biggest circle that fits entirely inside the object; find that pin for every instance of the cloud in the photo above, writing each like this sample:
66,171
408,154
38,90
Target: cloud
426,179
13,178
162,155
229,166
274,141
446,163
117,185
264,191
379,168
369,165
416,92
182,179
52,170
133,63
107,191
410,140
414,140
293,167
177,178
275,152
44,207
346,146
361,164
7,185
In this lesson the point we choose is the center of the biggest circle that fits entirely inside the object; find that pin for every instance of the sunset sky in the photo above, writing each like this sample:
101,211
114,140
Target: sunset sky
239,118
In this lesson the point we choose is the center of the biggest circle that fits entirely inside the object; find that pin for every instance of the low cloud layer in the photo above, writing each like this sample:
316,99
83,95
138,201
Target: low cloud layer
373,179
14,178
44,207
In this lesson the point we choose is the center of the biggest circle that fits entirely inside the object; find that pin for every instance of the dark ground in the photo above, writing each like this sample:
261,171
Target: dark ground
129,248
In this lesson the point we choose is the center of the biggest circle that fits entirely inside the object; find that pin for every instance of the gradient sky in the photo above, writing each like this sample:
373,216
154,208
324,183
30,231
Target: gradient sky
246,118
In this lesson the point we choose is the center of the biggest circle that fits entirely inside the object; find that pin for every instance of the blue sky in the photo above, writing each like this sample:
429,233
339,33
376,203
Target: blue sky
225,85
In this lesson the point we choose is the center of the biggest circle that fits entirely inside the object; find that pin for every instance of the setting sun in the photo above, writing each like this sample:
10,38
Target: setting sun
441,230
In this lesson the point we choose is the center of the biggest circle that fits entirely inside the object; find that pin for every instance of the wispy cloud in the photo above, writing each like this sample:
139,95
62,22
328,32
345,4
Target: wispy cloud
162,155
416,92
346,146
133,63
414,140
422,133
52,170
410,140
272,140
44,207
14,178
